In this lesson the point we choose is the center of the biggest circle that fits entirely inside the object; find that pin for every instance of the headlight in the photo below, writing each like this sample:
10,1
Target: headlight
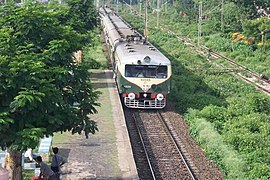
131,96
160,97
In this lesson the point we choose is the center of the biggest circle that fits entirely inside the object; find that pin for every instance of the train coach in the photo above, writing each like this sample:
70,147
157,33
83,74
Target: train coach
142,72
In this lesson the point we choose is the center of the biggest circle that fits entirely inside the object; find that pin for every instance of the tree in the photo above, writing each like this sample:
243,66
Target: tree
81,15
40,81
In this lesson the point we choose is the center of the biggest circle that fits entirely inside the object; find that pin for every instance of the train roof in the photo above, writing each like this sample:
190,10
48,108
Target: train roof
128,44
138,53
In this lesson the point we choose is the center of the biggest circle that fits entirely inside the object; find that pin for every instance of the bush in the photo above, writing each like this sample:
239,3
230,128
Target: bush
219,43
217,150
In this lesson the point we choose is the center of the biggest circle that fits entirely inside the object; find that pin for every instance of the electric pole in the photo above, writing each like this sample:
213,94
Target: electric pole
145,21
222,16
140,8
158,13
117,2
200,23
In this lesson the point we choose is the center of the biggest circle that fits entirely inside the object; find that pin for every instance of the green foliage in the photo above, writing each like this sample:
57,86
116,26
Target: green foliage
218,43
216,115
260,171
254,103
42,89
233,17
227,158
249,135
253,28
28,174
81,15
94,52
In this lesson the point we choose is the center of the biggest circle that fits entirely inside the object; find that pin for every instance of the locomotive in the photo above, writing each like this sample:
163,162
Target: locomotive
142,73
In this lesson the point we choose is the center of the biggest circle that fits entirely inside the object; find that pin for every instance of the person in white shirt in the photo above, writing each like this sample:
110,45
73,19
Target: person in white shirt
57,162
28,155
45,170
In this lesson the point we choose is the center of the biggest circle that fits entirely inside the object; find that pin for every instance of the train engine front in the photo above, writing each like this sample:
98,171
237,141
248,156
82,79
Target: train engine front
145,83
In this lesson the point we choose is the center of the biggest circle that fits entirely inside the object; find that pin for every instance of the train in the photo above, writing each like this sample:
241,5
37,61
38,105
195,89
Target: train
142,73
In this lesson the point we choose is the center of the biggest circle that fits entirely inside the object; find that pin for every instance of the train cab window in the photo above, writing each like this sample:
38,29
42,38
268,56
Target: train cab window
129,72
146,71
162,72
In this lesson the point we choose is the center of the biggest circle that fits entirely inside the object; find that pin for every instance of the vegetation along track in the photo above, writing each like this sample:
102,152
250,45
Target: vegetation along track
259,80
166,138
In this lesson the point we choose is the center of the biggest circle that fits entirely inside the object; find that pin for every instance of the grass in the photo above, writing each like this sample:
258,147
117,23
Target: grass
59,138
28,174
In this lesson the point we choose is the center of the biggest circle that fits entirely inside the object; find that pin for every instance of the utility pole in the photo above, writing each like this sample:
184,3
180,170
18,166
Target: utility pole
200,23
222,16
140,8
145,21
117,2
158,13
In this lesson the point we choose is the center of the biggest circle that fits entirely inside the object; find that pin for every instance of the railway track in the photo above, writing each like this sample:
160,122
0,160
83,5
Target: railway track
164,156
162,160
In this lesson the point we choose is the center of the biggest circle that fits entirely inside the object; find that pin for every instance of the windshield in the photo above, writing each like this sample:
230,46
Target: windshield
146,71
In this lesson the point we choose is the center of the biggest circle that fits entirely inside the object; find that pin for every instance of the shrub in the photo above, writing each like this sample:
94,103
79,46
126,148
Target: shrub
217,150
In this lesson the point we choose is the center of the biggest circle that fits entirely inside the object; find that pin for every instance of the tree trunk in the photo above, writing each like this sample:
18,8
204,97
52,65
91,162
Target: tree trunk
14,164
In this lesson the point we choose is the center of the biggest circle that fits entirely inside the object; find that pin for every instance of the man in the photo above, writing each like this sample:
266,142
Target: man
57,162
45,170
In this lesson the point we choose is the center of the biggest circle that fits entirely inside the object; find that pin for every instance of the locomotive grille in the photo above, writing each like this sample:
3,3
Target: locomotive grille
145,103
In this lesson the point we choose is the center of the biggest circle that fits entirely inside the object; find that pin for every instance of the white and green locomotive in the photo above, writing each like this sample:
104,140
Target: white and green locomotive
142,72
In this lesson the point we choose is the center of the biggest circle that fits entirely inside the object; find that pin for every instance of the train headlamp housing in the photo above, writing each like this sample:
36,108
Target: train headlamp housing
160,97
131,96
147,59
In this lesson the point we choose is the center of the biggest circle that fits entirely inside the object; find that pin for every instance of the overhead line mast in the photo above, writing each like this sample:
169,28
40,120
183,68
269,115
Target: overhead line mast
145,22
200,23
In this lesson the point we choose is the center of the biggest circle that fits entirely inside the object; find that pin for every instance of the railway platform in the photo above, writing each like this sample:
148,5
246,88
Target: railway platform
108,153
